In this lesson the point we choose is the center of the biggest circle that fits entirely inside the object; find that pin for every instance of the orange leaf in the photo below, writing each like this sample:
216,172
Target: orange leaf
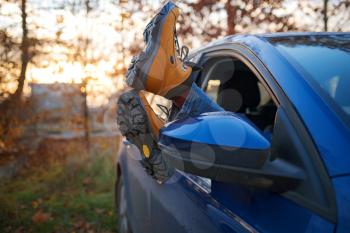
87,181
99,211
41,217
35,204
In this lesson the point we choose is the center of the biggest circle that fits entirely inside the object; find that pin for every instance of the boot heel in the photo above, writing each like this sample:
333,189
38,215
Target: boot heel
135,71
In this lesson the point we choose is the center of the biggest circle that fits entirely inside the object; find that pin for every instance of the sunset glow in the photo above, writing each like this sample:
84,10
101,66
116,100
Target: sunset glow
111,34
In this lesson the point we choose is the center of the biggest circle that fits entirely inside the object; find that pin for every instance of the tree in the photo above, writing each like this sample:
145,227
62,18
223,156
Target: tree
208,19
18,51
9,107
326,15
24,50
337,13
9,62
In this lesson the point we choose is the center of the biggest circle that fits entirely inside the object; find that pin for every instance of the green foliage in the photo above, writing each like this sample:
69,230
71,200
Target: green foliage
63,197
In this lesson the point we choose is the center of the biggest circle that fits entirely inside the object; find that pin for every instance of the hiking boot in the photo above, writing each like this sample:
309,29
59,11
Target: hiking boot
140,125
159,69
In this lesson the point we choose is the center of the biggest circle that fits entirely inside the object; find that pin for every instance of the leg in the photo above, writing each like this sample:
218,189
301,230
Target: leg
140,125
161,71
197,102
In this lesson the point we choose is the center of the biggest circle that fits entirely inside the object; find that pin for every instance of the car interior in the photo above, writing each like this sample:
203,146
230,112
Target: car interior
232,85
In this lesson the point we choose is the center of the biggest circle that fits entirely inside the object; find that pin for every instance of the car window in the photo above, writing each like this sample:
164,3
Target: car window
232,85
325,62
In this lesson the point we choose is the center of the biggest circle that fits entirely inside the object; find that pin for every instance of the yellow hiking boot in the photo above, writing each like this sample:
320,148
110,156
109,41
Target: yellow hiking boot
159,69
140,125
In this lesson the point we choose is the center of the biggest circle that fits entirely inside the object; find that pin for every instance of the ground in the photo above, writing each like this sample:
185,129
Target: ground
75,195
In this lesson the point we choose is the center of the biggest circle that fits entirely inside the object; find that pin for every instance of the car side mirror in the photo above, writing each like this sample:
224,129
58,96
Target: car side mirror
226,147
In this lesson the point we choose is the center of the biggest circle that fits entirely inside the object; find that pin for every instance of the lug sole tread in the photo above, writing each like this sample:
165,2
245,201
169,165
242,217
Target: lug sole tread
133,124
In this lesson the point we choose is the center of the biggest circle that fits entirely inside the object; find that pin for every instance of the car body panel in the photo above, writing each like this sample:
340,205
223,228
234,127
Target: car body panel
342,187
165,208
137,186
187,203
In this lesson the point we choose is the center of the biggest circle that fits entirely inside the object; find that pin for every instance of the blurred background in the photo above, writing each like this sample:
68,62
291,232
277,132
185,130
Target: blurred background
62,66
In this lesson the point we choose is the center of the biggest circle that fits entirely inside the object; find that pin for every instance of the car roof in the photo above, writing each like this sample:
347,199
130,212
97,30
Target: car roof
296,34
250,40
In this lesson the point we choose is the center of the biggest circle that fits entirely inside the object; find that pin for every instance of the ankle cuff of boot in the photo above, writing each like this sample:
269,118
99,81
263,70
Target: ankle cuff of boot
180,90
180,100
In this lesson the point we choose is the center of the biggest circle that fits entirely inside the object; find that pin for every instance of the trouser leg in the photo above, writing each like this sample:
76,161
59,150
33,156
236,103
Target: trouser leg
197,102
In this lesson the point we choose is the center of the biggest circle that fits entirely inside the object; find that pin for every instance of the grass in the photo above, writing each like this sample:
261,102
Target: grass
74,196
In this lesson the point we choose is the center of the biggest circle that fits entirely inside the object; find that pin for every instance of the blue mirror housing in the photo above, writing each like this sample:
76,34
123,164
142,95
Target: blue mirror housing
225,147
224,137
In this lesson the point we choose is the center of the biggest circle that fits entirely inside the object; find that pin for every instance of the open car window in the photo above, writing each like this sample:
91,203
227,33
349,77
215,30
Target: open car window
232,85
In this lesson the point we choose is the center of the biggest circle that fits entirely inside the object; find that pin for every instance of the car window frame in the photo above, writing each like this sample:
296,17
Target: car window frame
281,100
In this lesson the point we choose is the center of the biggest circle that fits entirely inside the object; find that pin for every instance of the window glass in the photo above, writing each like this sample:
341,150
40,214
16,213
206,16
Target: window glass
323,60
232,85
213,89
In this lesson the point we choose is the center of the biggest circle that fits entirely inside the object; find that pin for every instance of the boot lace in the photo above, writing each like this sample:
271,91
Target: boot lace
181,51
165,110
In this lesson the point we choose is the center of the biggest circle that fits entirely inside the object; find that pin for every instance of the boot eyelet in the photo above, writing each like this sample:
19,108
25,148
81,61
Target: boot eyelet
172,60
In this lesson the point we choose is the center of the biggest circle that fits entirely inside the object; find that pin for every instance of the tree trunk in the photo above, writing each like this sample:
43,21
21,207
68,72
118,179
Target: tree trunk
231,13
86,107
24,51
325,15
86,119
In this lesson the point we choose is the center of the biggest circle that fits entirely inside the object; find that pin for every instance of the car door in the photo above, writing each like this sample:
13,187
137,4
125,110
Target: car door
189,203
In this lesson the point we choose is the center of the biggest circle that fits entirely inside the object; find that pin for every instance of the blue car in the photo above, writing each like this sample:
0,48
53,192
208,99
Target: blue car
278,158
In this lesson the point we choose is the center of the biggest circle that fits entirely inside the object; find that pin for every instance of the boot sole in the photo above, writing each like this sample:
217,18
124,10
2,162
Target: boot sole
133,124
132,120
140,65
